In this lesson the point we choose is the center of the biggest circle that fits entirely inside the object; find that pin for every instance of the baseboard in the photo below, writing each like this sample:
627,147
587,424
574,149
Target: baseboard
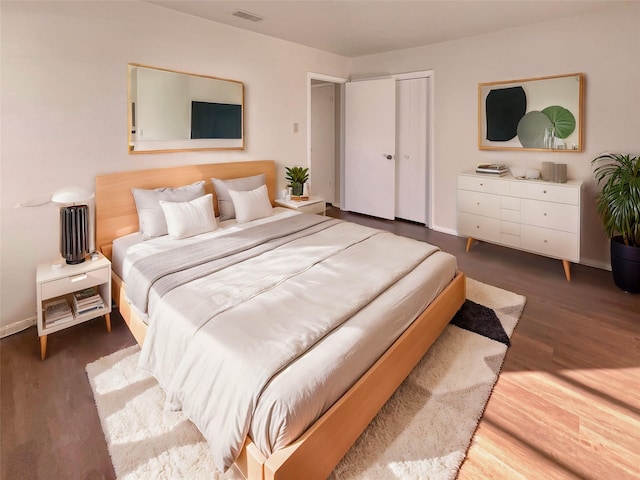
16,327
449,231
595,263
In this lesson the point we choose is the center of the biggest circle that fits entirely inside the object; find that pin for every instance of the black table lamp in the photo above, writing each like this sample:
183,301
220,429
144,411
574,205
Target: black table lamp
74,222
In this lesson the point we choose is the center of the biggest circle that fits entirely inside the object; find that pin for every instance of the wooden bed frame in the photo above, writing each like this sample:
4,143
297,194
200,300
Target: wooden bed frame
320,448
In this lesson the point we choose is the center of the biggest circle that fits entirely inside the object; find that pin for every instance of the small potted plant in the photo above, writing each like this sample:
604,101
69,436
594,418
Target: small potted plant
618,205
297,176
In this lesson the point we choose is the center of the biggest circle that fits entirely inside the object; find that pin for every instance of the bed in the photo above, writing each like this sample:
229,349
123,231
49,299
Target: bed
314,452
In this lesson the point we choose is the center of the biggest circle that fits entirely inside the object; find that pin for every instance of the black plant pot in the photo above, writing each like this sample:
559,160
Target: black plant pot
625,265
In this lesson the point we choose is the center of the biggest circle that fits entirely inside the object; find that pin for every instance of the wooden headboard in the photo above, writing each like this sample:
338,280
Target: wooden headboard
116,210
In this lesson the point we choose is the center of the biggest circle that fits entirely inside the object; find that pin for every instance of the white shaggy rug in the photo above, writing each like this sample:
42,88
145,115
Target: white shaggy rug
423,432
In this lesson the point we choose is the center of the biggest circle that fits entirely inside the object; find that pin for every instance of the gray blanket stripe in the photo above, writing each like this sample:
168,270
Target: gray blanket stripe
146,272
174,280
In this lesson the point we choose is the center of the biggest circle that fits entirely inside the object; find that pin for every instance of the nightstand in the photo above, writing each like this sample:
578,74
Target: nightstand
55,284
313,205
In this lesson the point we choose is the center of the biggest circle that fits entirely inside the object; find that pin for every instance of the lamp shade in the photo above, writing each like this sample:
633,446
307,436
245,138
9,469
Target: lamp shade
71,195
74,221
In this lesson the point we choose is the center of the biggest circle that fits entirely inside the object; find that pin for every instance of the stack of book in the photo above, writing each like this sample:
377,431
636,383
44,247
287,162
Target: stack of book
57,312
492,168
87,300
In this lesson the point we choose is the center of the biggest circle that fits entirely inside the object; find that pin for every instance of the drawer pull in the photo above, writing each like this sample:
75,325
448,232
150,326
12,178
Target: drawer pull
79,278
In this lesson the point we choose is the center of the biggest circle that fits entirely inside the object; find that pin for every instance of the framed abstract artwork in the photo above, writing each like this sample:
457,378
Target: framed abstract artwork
542,114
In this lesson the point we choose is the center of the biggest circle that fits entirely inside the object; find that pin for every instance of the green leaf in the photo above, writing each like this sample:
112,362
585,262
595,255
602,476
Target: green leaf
296,175
618,202
562,119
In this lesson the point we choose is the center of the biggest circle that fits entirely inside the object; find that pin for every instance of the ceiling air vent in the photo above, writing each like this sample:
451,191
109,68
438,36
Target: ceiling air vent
246,15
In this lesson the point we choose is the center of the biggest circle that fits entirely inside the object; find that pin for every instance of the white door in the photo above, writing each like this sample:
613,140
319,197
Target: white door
411,158
370,127
322,165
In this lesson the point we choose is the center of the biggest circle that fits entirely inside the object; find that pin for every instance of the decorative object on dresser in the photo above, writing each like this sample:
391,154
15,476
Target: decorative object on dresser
297,177
86,286
492,168
547,171
74,222
560,173
535,216
522,172
618,205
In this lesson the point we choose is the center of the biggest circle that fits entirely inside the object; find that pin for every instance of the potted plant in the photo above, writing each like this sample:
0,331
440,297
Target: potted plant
618,205
297,176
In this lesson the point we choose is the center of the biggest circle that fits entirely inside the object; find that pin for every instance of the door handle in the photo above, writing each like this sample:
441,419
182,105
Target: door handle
388,157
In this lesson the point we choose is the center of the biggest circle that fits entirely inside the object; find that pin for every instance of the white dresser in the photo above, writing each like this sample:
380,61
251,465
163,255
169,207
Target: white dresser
531,215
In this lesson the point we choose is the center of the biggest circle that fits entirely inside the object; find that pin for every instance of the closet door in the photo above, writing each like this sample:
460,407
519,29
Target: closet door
411,142
370,127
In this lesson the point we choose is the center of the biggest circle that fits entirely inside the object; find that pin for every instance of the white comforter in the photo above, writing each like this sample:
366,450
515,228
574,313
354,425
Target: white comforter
217,343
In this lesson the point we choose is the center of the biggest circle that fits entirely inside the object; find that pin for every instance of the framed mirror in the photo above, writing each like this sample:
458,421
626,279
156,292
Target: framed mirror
541,114
172,111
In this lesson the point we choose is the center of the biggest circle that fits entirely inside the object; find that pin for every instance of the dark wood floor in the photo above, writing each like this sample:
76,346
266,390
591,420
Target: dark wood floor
566,406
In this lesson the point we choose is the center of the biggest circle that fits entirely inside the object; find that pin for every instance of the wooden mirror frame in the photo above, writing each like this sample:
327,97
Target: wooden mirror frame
202,88
541,92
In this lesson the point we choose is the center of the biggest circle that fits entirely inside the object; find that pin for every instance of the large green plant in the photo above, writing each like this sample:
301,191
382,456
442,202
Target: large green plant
618,202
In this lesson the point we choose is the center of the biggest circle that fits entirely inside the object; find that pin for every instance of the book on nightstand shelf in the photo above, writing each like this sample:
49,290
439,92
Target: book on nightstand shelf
492,168
87,300
56,312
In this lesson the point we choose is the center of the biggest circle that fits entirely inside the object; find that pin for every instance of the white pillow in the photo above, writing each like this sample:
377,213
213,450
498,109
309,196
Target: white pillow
150,215
186,219
222,187
251,205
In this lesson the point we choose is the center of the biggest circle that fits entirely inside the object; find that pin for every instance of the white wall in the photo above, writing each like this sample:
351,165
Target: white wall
605,47
64,105
64,110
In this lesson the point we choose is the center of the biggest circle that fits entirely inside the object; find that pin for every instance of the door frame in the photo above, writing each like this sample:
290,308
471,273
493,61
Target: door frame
430,74
327,92
340,138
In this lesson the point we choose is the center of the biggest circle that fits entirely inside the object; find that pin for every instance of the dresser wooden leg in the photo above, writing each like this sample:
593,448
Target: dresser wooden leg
107,321
567,269
43,347
469,242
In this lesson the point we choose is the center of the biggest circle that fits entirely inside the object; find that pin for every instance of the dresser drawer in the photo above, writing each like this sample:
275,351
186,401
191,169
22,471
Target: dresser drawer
511,228
510,240
482,184
552,243
62,286
510,215
510,203
546,191
479,227
558,216
484,204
